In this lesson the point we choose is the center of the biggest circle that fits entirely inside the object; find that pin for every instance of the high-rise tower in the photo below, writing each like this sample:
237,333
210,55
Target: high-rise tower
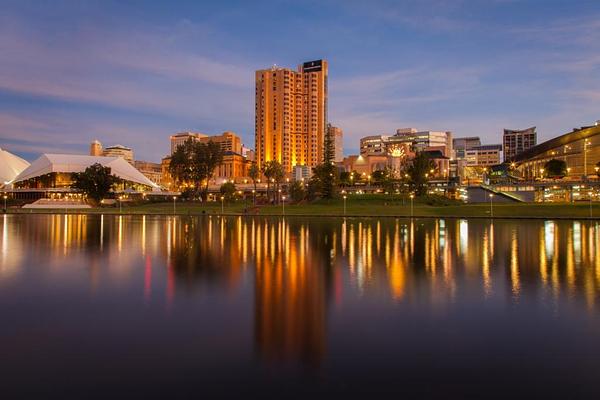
291,114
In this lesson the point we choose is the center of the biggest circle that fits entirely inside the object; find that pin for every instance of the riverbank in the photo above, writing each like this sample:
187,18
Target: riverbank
353,208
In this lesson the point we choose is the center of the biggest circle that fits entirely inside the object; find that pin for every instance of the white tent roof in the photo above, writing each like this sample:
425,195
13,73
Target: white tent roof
48,163
10,166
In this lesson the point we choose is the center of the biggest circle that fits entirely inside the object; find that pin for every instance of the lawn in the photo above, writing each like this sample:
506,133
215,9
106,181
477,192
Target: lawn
368,206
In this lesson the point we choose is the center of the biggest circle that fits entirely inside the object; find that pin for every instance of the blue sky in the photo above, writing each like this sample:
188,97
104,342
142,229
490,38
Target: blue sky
134,72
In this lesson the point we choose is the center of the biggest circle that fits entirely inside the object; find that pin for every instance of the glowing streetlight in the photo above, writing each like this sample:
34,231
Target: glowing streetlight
254,196
174,207
344,204
283,205
412,196
222,205
5,197
491,205
120,199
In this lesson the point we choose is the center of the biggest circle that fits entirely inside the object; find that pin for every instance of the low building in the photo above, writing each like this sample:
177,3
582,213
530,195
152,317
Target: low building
461,145
151,170
10,167
579,149
55,171
373,145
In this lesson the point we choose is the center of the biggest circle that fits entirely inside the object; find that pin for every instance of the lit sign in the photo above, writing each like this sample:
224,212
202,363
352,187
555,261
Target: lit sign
312,66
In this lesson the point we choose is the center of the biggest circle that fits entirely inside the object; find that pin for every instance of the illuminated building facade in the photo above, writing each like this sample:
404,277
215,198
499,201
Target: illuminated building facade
228,140
291,114
579,149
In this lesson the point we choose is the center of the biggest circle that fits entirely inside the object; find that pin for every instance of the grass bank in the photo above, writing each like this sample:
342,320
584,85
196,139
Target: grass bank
355,206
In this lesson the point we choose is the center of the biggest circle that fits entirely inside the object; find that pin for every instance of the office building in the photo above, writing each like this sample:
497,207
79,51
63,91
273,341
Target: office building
228,140
119,151
180,138
421,140
337,136
291,114
517,141
375,145
461,145
483,156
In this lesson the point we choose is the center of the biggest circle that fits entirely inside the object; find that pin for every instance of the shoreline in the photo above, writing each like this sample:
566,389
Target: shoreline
296,215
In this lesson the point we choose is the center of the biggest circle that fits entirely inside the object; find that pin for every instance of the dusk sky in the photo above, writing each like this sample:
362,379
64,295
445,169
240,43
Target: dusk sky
135,72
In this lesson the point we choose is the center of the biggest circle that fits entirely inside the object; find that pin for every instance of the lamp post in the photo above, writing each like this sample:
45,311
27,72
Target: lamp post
412,196
120,199
585,145
174,207
222,205
492,205
254,197
591,193
5,197
283,205
344,205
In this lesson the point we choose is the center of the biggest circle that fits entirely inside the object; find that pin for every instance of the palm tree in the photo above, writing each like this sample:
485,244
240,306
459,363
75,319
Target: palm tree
254,173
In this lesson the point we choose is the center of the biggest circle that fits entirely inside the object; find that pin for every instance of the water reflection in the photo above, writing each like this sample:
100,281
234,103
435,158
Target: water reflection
300,271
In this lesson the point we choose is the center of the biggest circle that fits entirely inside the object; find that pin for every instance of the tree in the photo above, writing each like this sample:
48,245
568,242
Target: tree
273,171
325,175
297,192
418,172
227,190
555,168
96,181
344,179
254,174
194,162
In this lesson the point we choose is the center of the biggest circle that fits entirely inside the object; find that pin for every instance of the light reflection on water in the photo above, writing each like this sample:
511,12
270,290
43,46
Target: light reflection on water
296,292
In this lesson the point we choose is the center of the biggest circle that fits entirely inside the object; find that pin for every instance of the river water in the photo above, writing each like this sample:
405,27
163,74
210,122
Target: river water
157,306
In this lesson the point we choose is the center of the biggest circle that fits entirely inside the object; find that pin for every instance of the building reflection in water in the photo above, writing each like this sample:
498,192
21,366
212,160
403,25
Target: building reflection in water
298,267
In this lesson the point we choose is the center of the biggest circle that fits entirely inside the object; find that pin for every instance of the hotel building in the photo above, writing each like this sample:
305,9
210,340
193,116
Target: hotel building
291,114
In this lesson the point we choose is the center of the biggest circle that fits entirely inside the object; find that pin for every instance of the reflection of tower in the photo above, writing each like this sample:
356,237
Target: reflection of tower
290,300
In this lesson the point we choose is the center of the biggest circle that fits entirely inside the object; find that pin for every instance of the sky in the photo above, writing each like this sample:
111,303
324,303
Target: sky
135,72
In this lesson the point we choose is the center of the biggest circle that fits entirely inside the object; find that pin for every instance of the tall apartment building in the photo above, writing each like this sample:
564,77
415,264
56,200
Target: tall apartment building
337,135
517,141
291,114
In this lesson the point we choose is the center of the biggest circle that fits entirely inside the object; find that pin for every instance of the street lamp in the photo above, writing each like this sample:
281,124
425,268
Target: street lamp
222,205
120,199
591,193
254,197
412,196
492,205
283,205
174,207
585,145
5,197
344,205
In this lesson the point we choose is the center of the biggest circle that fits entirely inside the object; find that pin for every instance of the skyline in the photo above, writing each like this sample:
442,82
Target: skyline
136,73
